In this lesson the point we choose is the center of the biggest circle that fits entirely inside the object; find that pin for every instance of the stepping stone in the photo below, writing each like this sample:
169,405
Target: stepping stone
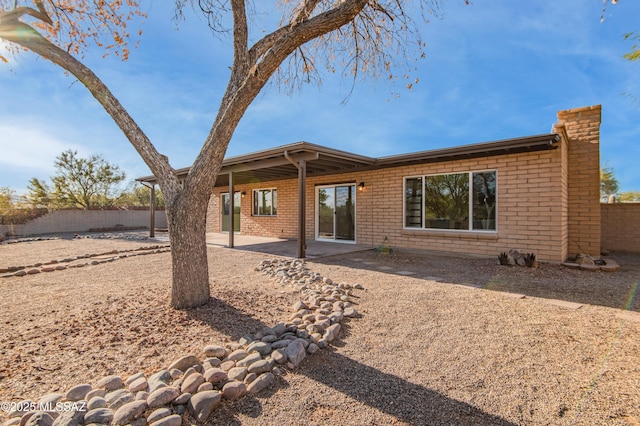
564,304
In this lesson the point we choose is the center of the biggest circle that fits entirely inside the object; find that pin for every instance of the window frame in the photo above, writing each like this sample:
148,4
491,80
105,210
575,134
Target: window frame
274,202
470,228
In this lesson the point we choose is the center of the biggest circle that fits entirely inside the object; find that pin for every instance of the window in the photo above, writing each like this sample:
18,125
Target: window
265,202
463,201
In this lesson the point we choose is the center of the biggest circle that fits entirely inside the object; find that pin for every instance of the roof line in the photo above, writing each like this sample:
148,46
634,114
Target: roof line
536,142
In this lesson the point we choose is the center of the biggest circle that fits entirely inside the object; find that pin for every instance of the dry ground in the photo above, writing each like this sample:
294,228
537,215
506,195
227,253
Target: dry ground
422,352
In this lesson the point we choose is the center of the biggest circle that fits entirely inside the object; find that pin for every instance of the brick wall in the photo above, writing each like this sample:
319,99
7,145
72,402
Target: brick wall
283,225
621,227
581,126
548,201
529,213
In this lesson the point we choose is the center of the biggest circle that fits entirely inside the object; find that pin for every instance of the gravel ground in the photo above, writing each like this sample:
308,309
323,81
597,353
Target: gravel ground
439,340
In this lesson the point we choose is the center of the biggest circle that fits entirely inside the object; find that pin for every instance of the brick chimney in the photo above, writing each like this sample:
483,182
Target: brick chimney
580,130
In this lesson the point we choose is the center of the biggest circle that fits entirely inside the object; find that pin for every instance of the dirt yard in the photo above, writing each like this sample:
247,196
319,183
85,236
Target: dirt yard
439,339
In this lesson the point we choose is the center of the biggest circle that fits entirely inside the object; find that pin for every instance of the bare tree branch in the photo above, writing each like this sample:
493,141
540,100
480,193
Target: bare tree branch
306,8
240,34
15,31
243,89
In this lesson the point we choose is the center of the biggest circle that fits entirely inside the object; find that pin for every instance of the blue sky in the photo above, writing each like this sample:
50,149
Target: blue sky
494,70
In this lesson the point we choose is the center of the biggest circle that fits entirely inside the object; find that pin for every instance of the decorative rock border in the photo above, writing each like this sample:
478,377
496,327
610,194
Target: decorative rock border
26,240
62,264
199,385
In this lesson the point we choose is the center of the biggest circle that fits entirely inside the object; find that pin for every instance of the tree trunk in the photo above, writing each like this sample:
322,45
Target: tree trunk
187,232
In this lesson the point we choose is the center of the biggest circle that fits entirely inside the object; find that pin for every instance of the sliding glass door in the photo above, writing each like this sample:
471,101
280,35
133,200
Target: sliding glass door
226,210
335,213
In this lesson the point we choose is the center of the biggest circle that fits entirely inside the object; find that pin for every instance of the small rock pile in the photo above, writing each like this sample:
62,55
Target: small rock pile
518,258
589,263
198,386
77,261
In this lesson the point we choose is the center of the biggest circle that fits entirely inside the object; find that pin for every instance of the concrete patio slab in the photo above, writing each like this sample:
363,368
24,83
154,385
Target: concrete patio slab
282,247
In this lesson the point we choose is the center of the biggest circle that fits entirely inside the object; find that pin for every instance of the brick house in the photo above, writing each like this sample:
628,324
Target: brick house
537,193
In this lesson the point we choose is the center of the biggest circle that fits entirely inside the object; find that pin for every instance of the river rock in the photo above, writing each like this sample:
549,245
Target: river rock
234,390
184,363
206,386
172,420
280,344
129,412
191,383
99,415
118,398
96,402
158,414
95,392
237,373
249,359
261,383
162,396
51,399
132,378
138,385
182,399
215,375
236,355
312,349
262,348
202,404
214,351
261,366
159,380
40,418
70,418
250,377
332,332
110,383
78,392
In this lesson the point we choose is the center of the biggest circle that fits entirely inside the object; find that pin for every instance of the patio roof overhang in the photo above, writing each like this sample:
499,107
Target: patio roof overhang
273,164
303,159
276,163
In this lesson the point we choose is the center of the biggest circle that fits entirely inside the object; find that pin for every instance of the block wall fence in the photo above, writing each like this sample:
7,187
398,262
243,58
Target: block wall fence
621,227
60,221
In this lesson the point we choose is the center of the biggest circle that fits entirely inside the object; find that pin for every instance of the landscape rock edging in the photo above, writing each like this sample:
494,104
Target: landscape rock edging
198,386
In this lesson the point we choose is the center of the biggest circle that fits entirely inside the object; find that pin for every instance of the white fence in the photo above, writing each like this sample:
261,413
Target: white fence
59,221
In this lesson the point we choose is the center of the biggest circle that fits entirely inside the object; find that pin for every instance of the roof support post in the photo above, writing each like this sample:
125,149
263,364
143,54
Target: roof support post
152,208
232,209
301,165
302,208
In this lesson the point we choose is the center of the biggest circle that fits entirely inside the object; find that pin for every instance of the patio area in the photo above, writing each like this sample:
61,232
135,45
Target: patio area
282,247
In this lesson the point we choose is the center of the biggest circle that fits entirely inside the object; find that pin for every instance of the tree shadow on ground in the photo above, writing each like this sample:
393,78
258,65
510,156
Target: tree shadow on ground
226,319
408,402
618,290
387,393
